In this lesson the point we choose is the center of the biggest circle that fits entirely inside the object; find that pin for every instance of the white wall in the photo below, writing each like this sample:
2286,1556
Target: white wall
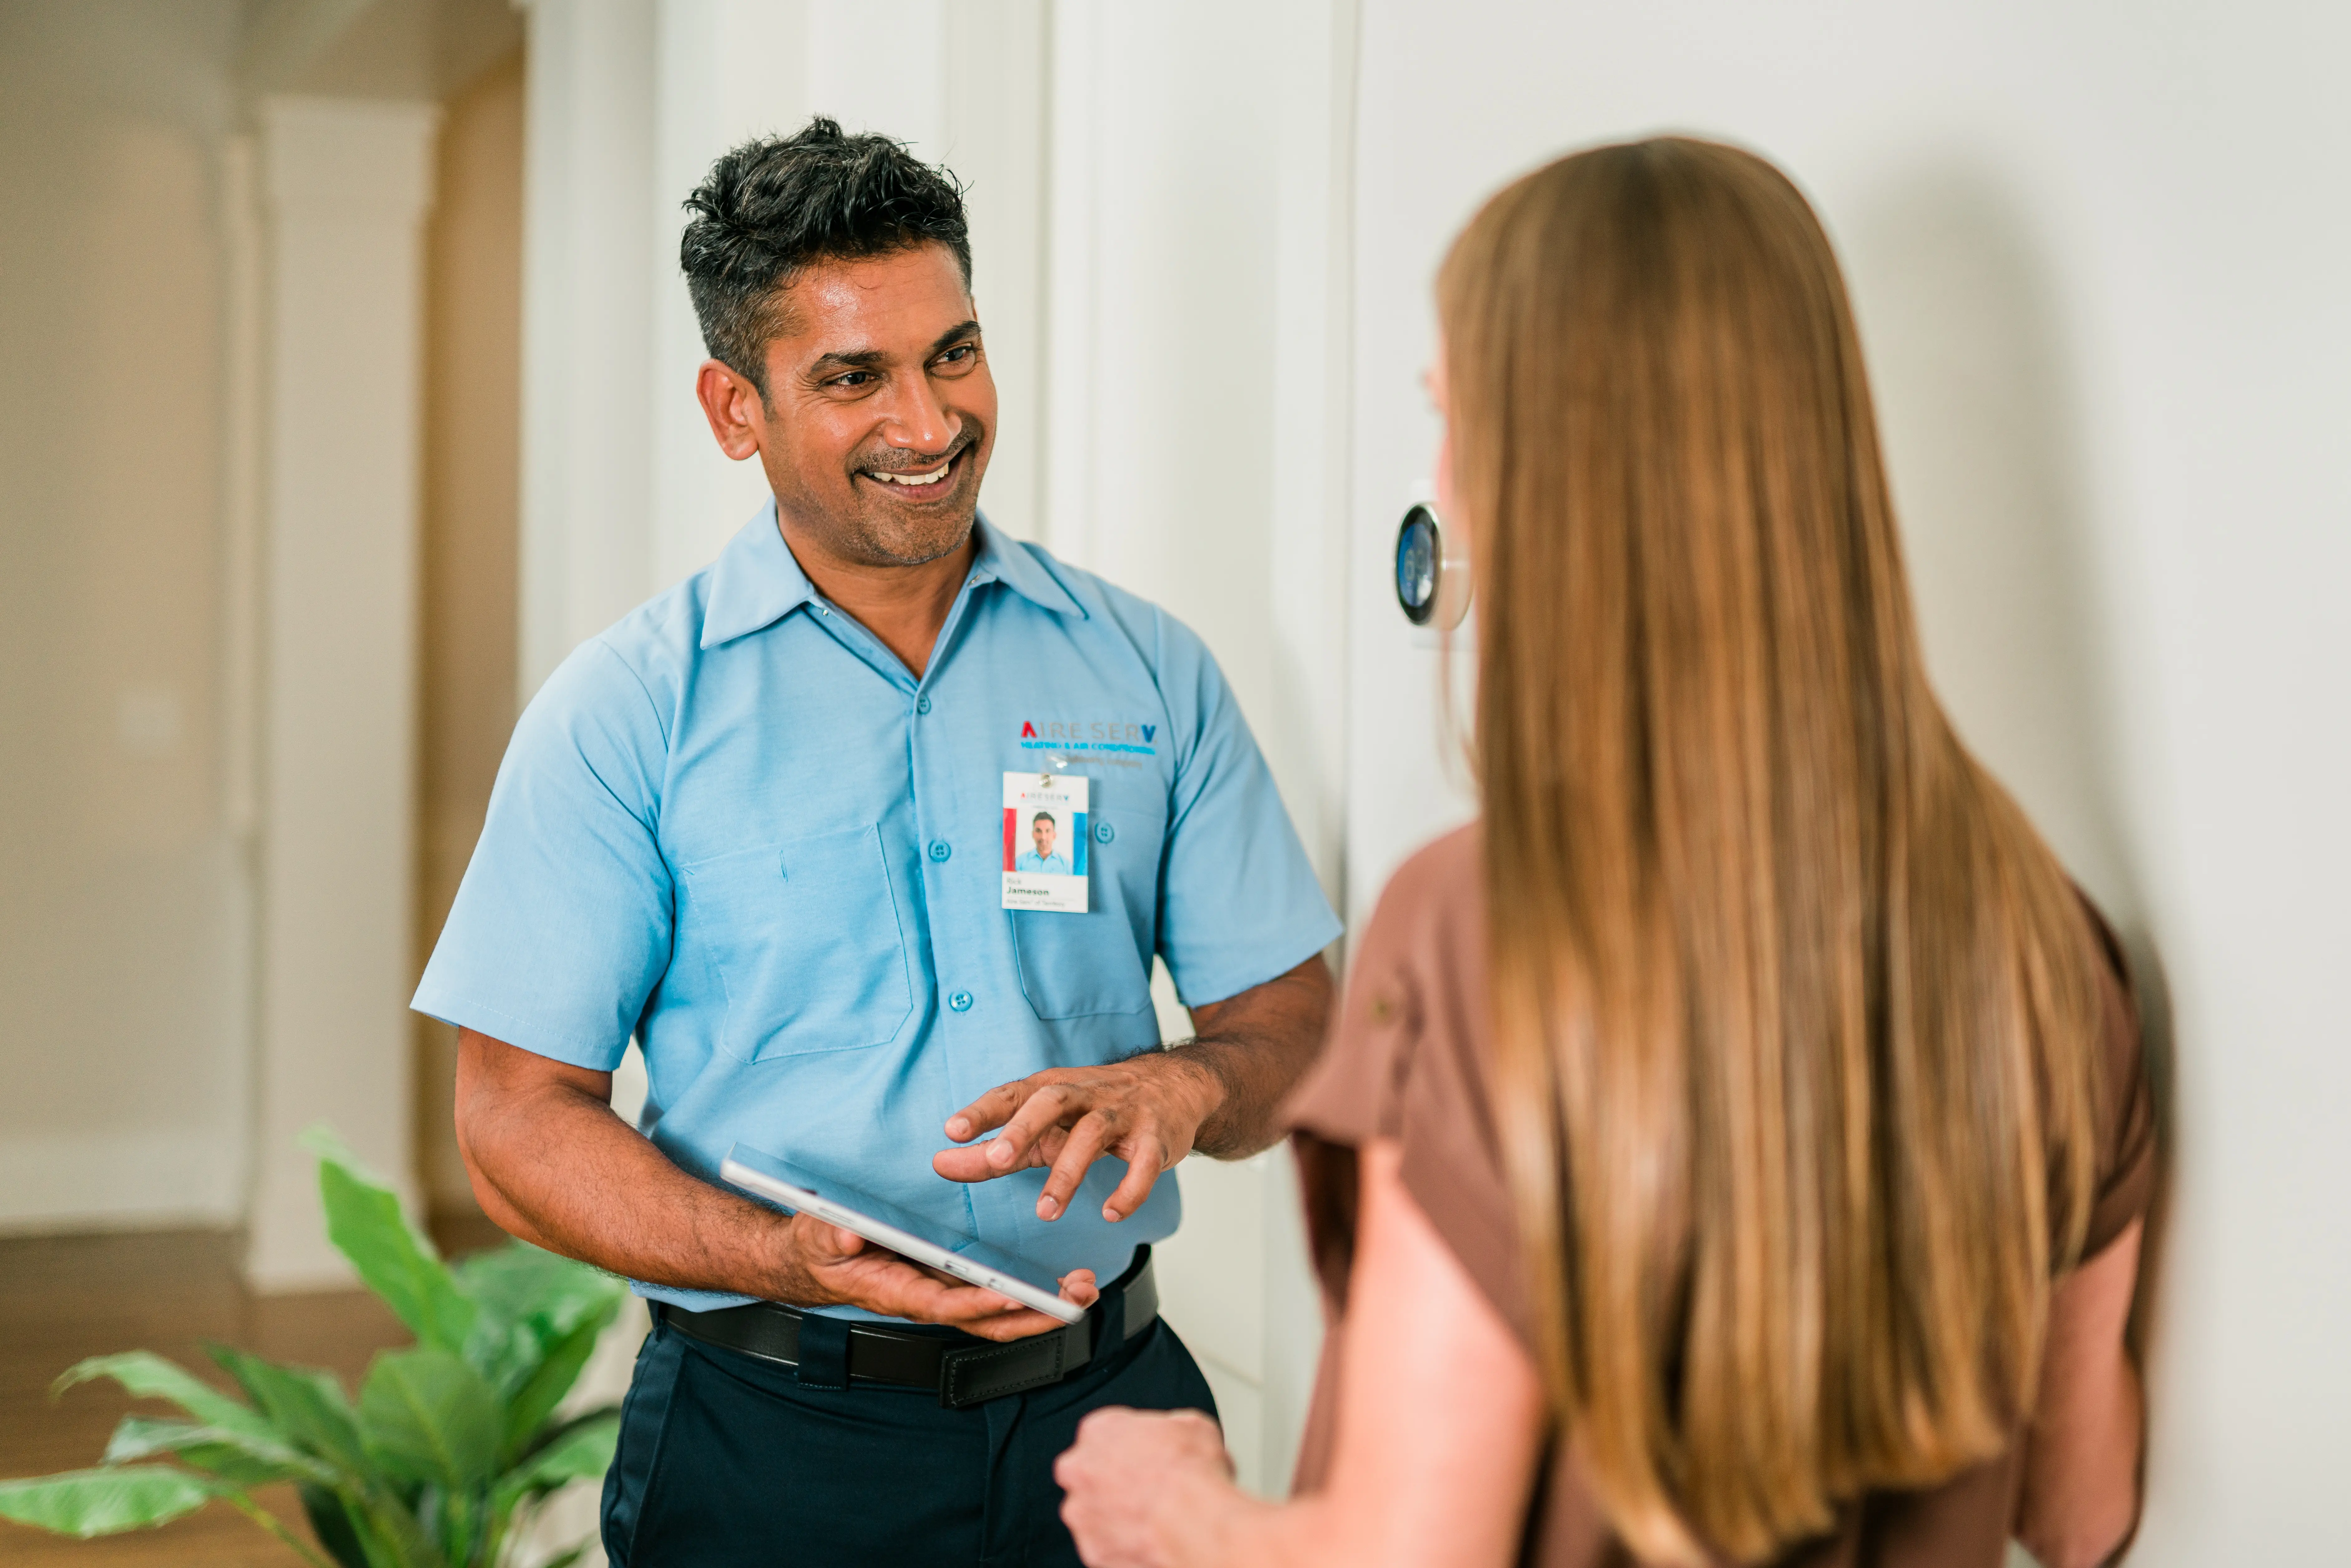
962,85
122,884
630,102
588,266
2098,256
1195,442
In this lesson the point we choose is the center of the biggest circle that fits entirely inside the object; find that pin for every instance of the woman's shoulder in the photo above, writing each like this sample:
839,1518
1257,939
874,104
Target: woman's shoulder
1410,967
1424,948
1437,888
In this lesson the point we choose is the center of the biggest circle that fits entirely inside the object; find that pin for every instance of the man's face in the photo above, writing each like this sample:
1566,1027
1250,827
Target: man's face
1041,834
876,378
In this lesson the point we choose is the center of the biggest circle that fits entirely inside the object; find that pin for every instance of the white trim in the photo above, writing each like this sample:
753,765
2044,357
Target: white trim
348,185
587,290
1067,327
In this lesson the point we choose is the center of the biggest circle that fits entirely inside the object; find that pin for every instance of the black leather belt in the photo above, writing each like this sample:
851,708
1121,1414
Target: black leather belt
965,1369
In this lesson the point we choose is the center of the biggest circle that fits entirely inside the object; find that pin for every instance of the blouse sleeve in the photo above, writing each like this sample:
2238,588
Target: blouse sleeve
1406,1061
2126,1141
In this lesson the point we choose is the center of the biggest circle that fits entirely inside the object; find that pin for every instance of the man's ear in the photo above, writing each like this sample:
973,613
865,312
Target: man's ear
733,407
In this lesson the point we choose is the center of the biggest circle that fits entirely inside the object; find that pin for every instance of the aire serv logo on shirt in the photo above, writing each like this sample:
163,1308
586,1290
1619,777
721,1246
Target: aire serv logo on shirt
1082,735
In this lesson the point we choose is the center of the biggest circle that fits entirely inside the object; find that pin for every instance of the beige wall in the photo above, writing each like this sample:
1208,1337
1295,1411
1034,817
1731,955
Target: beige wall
473,365
121,1079
127,623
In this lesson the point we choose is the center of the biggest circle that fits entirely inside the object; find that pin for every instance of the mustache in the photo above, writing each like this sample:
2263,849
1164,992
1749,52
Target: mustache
892,460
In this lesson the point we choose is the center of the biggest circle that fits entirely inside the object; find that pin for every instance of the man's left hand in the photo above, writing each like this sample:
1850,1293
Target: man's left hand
1147,1111
1217,1093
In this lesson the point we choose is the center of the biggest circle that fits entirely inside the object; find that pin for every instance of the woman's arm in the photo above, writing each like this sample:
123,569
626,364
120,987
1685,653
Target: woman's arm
1440,1424
2080,1496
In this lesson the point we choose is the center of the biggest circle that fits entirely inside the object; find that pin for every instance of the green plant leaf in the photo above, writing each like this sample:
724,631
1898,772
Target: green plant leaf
240,1459
330,1521
144,1375
426,1415
104,1503
391,1535
555,1432
566,1560
518,1282
528,1407
584,1453
529,1301
395,1258
463,1522
307,1405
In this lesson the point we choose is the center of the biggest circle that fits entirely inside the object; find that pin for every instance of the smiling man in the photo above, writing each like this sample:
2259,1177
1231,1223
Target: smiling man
1040,856
764,825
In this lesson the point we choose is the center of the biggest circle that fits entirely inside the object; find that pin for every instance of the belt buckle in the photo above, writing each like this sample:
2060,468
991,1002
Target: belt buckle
975,1373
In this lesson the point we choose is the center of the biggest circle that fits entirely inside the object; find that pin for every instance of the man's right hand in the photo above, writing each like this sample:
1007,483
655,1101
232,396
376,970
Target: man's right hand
822,1265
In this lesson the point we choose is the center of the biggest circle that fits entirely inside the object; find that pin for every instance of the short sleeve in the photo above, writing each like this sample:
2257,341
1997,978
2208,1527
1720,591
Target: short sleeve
1407,1062
1238,902
561,928
2126,1143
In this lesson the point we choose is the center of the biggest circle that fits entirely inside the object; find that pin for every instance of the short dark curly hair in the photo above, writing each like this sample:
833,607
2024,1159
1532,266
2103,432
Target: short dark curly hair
770,208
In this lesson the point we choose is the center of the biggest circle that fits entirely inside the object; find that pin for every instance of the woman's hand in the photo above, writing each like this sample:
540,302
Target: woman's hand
1134,1475
1432,1459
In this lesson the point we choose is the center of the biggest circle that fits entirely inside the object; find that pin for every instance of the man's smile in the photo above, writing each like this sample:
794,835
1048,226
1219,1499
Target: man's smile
918,486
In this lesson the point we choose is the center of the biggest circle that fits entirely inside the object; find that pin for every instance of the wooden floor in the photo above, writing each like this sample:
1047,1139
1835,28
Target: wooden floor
64,1298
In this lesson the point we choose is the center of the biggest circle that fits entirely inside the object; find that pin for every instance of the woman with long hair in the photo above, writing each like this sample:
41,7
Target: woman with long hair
1734,1146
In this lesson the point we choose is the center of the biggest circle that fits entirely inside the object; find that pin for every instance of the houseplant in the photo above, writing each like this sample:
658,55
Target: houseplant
448,1445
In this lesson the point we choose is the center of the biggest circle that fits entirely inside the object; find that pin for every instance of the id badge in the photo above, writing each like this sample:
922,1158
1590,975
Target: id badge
1045,842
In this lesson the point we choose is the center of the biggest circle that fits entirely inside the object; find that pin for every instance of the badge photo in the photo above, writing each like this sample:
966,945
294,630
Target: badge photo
1045,842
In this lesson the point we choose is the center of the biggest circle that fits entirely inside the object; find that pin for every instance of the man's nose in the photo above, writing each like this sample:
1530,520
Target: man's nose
918,421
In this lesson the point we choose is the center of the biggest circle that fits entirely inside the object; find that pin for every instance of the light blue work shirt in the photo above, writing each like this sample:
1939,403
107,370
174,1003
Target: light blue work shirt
737,826
1055,864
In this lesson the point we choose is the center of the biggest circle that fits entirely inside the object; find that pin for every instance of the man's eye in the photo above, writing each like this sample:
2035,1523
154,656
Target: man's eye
959,356
853,379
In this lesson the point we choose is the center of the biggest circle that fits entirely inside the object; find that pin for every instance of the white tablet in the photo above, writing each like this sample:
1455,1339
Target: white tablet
795,1189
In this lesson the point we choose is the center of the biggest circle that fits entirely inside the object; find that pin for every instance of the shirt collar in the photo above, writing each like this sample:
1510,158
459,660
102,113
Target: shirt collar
1007,561
755,582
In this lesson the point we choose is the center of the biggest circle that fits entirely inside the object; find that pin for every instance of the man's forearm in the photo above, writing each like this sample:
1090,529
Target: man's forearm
553,1164
559,1169
1255,1054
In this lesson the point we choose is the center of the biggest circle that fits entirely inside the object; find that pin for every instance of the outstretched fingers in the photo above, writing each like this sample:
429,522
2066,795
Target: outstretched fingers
991,1110
1079,1151
1049,1107
1146,1157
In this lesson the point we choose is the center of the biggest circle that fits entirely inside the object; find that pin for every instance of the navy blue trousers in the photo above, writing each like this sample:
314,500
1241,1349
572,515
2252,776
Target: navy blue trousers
727,1461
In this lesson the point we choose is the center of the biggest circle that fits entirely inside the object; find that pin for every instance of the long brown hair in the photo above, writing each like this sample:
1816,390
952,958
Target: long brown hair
1794,1009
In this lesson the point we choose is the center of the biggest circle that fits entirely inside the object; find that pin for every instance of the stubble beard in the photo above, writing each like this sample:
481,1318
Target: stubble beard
881,533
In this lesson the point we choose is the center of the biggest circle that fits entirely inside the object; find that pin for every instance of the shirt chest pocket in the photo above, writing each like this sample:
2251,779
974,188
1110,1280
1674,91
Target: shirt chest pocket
1078,965
807,941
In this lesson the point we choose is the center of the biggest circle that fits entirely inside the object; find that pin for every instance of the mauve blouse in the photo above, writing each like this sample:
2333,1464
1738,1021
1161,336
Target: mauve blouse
1407,1062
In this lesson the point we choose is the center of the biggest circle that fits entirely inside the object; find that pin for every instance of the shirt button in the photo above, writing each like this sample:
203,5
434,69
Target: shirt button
941,849
1104,832
923,702
960,1001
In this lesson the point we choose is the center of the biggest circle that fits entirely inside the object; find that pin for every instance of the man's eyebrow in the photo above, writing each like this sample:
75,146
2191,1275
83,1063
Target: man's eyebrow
954,335
828,365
